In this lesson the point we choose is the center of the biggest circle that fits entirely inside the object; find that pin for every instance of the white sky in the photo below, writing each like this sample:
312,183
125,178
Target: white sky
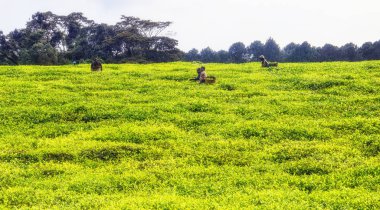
220,23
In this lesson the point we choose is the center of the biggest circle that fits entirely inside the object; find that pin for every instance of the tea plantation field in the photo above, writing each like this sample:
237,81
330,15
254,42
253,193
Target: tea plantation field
300,136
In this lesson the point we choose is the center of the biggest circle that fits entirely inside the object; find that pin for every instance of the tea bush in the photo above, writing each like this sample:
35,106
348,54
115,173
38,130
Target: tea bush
143,136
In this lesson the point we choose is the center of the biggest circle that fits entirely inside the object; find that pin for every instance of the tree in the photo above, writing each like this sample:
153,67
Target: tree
376,50
8,52
192,55
370,51
288,52
367,51
43,54
73,25
223,56
100,41
330,52
49,26
271,50
349,52
140,38
301,53
161,49
52,39
146,28
208,55
237,52
255,49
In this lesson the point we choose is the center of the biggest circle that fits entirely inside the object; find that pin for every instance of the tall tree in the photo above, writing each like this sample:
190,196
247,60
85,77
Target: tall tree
162,49
223,56
271,50
237,52
52,39
146,28
302,53
208,55
49,26
192,55
255,49
367,51
349,52
289,51
376,50
142,38
8,52
330,52
73,26
43,54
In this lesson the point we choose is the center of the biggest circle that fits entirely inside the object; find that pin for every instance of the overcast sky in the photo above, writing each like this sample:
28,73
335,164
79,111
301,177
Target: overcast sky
220,23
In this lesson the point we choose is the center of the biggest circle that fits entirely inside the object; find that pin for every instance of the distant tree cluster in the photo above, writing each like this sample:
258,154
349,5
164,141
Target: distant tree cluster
239,53
49,39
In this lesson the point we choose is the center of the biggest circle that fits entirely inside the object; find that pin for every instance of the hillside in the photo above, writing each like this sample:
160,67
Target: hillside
144,136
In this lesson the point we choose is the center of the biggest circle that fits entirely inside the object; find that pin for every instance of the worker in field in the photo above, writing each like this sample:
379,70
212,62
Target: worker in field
202,75
96,65
265,63
199,70
198,74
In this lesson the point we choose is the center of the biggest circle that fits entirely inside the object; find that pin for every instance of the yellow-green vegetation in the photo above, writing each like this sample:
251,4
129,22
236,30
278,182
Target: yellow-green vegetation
300,136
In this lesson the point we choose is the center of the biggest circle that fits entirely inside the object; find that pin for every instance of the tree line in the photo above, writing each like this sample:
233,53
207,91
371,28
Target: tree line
239,53
50,39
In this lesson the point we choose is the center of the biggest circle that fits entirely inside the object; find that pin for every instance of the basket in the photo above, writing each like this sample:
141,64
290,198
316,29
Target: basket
210,79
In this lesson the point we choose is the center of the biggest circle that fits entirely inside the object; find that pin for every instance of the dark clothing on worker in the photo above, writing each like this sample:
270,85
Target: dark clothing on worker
96,66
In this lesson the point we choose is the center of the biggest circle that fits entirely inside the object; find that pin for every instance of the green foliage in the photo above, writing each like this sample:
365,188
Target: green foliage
142,136
237,52
50,39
